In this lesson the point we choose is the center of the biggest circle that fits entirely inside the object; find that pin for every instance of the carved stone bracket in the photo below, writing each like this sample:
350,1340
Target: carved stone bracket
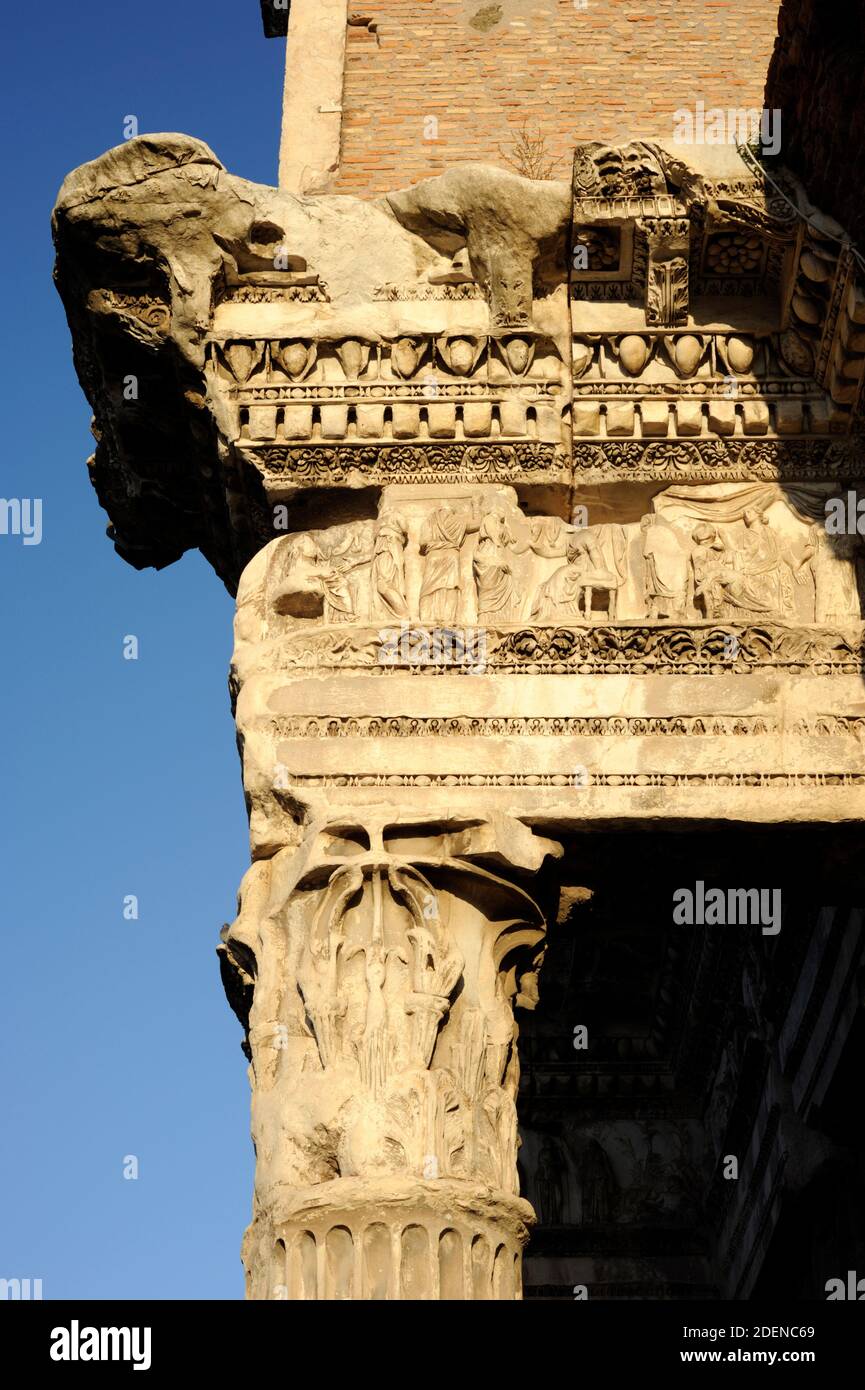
667,282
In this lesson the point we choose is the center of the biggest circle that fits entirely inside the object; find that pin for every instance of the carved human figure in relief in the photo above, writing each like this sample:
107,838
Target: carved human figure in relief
441,540
752,580
388,565
321,576
802,559
836,584
498,599
767,582
568,593
310,587
708,565
551,1182
665,570
347,552
598,1187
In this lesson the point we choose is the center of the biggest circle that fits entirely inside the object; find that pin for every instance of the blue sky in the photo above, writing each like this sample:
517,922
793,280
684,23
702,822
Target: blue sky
120,777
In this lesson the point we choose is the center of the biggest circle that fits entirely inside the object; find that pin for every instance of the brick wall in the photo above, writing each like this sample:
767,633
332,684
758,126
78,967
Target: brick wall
487,71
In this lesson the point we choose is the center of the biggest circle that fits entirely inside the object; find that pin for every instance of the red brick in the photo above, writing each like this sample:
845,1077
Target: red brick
573,74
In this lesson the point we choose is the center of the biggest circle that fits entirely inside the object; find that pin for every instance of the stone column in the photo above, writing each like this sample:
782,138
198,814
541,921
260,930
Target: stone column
386,931
375,968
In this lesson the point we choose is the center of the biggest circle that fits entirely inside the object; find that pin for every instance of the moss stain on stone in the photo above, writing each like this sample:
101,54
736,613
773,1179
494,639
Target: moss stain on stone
487,17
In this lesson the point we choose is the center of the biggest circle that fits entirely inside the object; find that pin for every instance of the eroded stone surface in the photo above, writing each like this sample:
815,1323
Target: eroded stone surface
278,347
521,486
383,961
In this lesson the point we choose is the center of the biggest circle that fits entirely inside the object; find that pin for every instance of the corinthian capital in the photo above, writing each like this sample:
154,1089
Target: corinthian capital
376,969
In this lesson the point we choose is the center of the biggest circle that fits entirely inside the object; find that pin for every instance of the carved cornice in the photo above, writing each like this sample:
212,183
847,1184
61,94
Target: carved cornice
686,650
718,460
609,649
324,464
638,781
422,369
604,726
